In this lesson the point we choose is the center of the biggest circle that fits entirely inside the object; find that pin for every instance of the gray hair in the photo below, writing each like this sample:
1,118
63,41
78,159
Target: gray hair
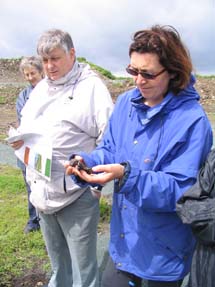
34,61
52,39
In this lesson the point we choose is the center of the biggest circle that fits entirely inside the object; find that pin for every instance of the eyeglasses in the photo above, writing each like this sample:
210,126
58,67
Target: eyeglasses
145,75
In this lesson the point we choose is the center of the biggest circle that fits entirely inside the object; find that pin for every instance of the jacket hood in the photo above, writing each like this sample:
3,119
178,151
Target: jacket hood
170,102
86,72
188,94
79,72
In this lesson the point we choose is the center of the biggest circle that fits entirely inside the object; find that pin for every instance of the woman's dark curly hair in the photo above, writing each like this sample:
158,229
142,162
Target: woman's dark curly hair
165,41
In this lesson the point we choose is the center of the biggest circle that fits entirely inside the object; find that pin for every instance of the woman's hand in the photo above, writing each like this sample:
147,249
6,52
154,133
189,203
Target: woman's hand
101,173
17,145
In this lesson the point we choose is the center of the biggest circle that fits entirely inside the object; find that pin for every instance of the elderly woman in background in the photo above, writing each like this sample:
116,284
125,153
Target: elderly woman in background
32,71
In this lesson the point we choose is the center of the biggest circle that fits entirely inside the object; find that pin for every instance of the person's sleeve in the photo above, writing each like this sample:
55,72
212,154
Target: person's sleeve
105,151
103,107
160,190
20,102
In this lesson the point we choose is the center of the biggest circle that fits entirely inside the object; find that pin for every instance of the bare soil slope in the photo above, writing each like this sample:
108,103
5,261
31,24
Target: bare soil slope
11,83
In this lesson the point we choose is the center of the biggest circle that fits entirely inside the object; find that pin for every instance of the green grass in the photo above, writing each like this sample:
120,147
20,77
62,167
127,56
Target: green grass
3,100
206,76
19,252
105,210
101,70
2,137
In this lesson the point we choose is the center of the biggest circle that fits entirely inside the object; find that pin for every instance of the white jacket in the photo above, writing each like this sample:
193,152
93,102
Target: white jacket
74,116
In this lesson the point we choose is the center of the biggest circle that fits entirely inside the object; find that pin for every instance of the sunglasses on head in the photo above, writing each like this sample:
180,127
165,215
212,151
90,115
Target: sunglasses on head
145,75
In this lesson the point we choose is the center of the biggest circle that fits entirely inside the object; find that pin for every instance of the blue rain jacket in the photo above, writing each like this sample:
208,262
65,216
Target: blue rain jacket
165,146
20,102
22,99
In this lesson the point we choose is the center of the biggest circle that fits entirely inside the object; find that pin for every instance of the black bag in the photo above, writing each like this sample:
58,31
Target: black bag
202,272
197,208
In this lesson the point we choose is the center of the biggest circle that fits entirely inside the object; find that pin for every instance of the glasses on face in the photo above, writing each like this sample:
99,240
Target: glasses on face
135,72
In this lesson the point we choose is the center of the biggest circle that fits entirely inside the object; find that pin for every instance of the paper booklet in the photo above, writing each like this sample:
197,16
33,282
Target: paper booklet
36,151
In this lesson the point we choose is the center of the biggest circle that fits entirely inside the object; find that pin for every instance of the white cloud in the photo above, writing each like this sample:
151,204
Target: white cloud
102,30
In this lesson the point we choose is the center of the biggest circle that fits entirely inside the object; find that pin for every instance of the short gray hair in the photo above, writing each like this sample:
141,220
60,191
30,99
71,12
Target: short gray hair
34,61
52,39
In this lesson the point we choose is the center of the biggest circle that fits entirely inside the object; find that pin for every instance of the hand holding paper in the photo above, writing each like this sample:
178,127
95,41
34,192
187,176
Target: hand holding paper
33,149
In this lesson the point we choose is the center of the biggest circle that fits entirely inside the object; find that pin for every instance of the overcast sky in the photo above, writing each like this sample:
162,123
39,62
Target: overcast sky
102,29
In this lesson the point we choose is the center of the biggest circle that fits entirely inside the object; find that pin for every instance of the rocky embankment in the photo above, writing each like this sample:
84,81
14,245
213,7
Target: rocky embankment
11,83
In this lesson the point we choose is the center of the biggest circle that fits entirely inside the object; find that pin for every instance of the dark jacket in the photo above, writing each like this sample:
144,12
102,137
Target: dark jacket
197,208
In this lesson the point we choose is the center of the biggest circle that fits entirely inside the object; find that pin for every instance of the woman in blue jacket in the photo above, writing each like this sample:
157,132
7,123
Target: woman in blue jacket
157,139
